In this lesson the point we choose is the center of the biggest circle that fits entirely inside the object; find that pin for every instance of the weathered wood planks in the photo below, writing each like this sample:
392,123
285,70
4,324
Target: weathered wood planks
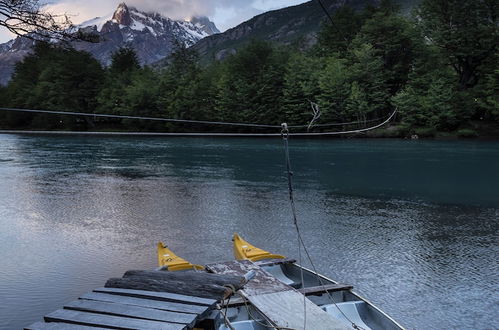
192,277
147,303
162,296
130,311
262,282
280,303
114,322
288,309
163,300
196,289
59,326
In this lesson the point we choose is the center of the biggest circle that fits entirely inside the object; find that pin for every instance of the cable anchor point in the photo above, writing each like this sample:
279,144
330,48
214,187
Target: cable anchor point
284,130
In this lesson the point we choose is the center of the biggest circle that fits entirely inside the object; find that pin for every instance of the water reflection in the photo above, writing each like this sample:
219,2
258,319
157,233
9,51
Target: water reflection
412,225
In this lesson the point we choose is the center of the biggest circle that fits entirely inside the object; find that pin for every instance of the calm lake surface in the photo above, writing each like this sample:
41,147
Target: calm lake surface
413,225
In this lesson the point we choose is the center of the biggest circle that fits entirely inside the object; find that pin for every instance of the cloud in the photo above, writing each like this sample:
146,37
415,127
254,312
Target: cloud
81,10
225,13
6,35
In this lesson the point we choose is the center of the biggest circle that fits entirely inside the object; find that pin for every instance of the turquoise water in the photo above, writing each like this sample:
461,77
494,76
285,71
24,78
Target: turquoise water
411,224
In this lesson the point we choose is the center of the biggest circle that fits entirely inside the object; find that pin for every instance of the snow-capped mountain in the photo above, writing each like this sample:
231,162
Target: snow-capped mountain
152,35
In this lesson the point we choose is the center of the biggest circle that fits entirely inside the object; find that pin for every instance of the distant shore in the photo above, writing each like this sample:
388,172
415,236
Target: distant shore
97,133
388,133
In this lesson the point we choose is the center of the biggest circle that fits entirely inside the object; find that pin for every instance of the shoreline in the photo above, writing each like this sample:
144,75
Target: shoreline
383,134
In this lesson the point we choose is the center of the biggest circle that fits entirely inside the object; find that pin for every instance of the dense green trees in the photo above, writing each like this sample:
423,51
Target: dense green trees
185,89
53,78
439,68
250,86
301,86
465,31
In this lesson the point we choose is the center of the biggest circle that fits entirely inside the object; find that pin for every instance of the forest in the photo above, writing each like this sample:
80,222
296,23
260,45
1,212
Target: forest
438,67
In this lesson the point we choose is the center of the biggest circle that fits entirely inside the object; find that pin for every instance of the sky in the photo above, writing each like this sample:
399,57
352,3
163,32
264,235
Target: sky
225,13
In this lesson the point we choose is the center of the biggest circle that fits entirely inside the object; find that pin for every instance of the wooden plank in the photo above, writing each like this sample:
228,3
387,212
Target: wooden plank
192,289
318,290
263,282
287,309
107,321
189,277
162,296
147,303
131,311
279,302
59,326
272,262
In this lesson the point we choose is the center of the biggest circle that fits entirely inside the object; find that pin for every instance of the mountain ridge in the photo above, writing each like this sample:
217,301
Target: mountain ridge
294,24
284,26
152,35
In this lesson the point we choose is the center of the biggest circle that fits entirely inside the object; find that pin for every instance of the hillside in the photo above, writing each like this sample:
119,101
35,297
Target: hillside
297,24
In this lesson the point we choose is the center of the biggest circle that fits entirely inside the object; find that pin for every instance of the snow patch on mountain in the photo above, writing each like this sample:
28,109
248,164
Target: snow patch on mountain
98,22
154,23
152,35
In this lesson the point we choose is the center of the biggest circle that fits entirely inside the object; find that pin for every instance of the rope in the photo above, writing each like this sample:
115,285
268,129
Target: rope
188,121
317,114
285,137
223,310
226,319
332,21
339,124
350,131
315,109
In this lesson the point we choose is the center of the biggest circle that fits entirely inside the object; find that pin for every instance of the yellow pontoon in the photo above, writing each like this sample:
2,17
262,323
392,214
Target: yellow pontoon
170,261
245,251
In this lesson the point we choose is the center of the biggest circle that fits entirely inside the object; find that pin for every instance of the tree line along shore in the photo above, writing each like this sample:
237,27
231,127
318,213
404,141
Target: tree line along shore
438,67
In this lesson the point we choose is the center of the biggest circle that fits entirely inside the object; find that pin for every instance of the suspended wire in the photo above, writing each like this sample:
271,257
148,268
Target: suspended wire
187,121
179,134
196,122
285,137
315,108
361,130
332,20
340,124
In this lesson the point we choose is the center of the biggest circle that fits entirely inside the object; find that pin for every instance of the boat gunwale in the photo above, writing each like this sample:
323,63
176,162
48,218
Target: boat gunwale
354,293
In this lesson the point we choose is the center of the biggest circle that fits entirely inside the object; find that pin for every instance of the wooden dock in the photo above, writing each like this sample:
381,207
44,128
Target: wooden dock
144,300
183,300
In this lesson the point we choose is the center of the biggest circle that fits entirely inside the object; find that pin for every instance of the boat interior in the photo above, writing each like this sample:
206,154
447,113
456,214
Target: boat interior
342,304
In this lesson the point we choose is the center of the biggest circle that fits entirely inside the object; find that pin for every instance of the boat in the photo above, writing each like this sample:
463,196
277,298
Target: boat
258,290
339,301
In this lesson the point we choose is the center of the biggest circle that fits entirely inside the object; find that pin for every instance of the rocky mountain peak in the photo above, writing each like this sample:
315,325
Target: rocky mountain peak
122,15
152,35
205,24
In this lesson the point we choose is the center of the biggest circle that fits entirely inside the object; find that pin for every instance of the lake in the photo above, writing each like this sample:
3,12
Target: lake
413,225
